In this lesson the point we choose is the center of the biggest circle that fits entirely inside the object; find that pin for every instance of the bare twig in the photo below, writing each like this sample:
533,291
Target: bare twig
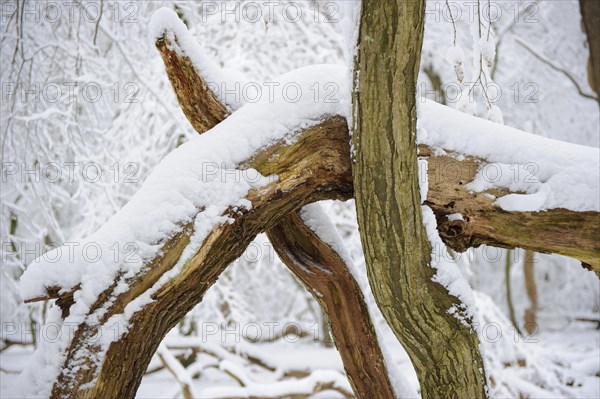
453,22
557,69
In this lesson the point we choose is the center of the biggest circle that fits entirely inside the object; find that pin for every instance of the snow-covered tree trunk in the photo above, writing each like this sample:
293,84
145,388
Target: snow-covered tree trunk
445,352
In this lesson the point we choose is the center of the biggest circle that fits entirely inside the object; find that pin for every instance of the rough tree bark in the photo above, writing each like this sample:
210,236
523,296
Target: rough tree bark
313,261
317,166
551,231
444,352
327,277
590,12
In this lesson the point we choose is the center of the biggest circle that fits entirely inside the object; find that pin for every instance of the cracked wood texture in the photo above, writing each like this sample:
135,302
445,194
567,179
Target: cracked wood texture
199,104
558,231
444,352
314,262
314,167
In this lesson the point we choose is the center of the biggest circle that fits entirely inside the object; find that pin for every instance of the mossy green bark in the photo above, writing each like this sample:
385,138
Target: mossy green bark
444,352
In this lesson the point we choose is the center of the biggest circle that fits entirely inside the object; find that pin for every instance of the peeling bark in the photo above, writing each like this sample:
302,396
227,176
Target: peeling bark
199,104
559,231
314,262
315,168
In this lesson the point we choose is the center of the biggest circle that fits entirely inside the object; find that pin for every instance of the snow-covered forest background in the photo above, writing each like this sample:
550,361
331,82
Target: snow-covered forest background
87,111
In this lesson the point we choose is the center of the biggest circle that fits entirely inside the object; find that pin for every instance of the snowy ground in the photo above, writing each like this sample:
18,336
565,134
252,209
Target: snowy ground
574,345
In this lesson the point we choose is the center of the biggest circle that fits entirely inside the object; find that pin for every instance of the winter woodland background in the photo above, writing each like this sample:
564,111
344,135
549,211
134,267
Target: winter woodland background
87,111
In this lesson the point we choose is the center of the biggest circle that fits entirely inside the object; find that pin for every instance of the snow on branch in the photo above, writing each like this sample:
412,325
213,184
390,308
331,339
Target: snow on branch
317,381
178,371
170,31
315,258
264,162
204,186
492,184
542,173
208,178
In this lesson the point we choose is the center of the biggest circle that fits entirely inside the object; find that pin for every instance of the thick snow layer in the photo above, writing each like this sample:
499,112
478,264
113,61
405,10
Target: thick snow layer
550,173
199,175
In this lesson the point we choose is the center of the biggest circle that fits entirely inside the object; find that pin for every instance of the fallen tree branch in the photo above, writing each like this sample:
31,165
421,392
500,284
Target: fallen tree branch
314,262
559,231
313,165
315,168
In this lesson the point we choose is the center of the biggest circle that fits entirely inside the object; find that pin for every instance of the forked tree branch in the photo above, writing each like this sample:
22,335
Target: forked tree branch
315,166
313,261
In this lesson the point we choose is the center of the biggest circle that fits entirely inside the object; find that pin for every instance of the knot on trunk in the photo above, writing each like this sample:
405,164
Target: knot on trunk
454,234
452,228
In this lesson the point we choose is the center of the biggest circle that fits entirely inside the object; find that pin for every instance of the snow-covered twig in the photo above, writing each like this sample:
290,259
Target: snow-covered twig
178,371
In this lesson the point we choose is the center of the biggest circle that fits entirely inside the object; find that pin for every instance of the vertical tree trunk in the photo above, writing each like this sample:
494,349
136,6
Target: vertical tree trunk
590,13
508,284
530,287
444,352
